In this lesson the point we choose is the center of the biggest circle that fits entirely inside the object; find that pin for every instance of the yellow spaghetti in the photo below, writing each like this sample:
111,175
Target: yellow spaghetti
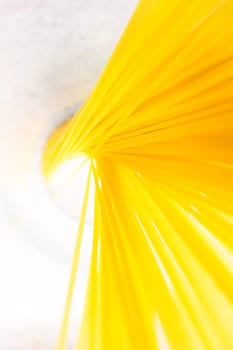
158,133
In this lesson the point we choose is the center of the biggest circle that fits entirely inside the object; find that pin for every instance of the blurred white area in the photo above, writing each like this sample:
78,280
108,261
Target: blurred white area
51,54
31,293
67,186
36,248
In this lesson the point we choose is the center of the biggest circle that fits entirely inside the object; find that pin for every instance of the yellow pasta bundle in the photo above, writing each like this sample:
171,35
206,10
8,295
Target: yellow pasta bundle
158,133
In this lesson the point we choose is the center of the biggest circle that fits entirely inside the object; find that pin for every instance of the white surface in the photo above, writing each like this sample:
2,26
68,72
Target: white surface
51,53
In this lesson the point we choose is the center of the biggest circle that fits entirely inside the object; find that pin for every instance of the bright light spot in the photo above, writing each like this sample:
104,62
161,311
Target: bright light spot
161,336
67,187
68,170
194,208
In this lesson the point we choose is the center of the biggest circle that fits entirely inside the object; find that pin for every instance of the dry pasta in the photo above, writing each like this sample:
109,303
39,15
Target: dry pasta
157,132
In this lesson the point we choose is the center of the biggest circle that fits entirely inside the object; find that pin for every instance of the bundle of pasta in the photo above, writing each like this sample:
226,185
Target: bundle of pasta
158,133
